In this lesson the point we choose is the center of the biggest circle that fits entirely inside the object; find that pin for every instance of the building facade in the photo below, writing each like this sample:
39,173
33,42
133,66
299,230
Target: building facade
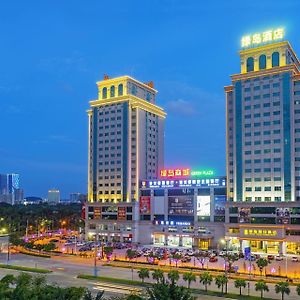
10,191
53,196
263,147
186,211
126,144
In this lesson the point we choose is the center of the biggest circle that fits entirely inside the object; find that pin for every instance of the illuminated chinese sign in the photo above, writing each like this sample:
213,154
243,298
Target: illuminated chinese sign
172,173
264,37
260,232
202,173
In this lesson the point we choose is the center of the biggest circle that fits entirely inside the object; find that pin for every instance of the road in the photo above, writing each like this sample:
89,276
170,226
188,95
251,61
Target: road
66,269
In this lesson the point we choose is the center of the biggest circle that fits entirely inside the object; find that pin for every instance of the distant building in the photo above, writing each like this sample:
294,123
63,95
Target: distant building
10,191
53,196
32,200
74,197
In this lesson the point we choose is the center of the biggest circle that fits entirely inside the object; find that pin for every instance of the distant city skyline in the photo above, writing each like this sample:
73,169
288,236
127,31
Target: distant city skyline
53,57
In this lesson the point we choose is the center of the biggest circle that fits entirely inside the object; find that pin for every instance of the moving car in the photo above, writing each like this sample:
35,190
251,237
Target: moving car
270,257
213,259
279,257
295,259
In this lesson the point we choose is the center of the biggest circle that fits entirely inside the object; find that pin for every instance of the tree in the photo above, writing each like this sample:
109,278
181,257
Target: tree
189,277
177,258
282,288
158,275
201,258
108,251
168,291
173,276
230,258
88,296
143,273
206,279
239,284
298,289
131,254
220,281
49,247
262,263
262,287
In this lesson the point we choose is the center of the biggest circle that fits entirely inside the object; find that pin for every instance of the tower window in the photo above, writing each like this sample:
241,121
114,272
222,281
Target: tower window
112,91
275,59
250,64
262,62
120,89
104,93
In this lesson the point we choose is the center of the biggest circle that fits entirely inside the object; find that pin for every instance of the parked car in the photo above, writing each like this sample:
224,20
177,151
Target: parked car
213,259
279,257
295,259
270,257
222,253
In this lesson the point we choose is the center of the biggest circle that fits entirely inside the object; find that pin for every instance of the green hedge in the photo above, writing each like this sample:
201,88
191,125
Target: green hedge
35,254
27,269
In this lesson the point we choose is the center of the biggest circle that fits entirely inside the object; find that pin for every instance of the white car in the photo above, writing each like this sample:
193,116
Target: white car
279,257
295,259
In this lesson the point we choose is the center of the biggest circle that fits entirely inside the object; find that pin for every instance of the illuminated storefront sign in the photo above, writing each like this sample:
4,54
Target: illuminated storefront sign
221,181
203,206
202,173
121,213
171,223
260,232
173,173
261,38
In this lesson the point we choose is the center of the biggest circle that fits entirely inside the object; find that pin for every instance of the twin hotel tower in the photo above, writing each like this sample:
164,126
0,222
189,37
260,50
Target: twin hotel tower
133,198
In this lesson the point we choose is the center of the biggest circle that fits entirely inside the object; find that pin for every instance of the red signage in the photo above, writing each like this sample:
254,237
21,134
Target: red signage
174,173
97,213
145,208
83,211
121,213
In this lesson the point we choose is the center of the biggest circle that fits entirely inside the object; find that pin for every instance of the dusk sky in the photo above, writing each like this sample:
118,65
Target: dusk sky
53,52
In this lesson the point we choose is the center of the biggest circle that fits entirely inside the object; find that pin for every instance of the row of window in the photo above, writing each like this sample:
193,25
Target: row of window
259,115
265,142
262,62
265,160
258,179
107,112
118,192
265,132
265,151
266,123
112,91
259,170
266,189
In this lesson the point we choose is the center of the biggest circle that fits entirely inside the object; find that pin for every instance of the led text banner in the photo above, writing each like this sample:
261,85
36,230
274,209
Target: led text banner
184,183
174,173
263,37
184,173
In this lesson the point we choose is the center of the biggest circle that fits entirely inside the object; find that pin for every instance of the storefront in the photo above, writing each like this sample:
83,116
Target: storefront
204,244
292,248
173,241
159,239
187,241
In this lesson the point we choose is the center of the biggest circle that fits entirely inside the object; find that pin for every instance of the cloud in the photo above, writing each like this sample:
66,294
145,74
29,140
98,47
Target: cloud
181,107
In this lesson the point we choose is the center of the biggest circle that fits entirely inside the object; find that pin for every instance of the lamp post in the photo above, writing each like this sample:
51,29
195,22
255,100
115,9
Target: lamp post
96,251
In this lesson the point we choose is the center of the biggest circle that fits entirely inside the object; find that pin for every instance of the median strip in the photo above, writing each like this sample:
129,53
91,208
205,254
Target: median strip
26,269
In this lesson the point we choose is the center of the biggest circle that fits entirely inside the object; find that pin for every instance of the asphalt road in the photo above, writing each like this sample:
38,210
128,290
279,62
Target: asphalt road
65,271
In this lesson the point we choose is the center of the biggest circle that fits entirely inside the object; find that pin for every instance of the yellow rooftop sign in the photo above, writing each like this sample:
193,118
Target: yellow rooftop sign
261,38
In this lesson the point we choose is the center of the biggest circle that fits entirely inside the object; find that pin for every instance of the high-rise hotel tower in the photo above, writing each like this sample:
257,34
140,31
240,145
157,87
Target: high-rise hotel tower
126,144
263,146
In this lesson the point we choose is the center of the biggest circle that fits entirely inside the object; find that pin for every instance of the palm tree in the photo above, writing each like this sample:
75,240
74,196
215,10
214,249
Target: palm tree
158,275
282,288
262,287
173,276
189,277
220,281
131,254
206,279
239,284
262,263
143,273
297,289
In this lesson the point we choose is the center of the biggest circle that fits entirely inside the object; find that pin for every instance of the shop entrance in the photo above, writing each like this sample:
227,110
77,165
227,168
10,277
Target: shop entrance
203,244
187,241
